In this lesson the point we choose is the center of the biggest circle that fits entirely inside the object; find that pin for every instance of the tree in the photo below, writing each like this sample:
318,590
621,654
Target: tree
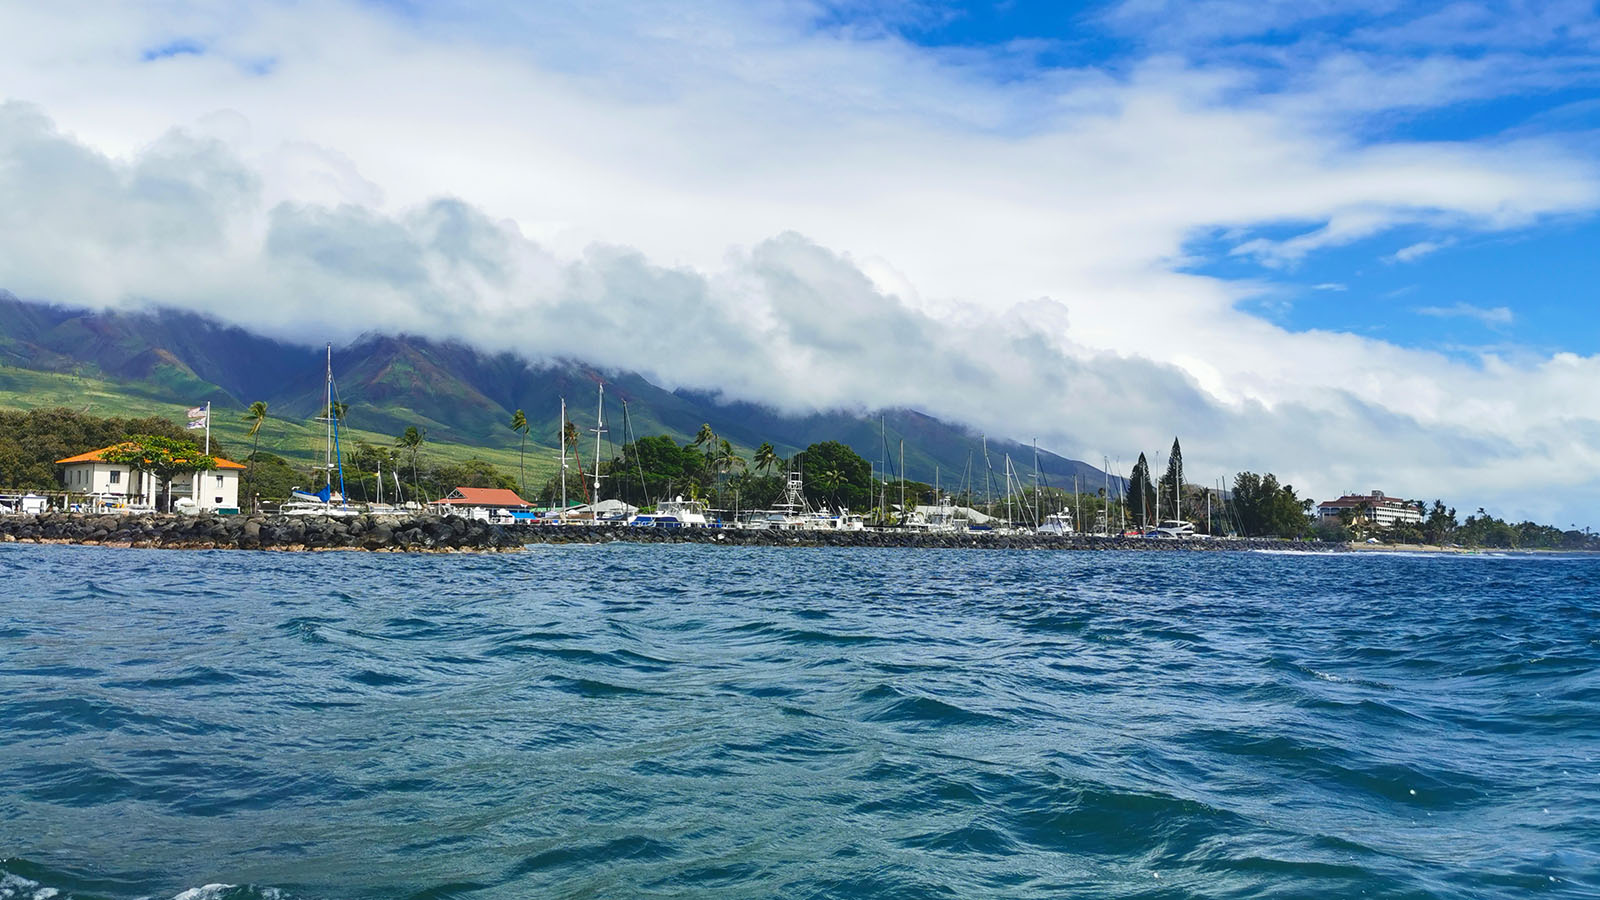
411,441
706,440
1172,482
569,431
163,457
766,458
726,460
31,441
256,415
1141,497
1263,507
519,424
835,472
665,467
1440,525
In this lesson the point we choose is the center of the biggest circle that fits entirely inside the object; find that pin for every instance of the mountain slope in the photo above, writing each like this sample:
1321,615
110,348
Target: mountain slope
461,396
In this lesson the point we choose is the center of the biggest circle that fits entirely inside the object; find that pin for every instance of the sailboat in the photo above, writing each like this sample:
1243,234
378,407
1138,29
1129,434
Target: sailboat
326,502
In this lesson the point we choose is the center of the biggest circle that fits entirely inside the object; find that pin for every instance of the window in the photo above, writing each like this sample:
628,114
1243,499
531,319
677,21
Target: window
219,501
116,476
219,484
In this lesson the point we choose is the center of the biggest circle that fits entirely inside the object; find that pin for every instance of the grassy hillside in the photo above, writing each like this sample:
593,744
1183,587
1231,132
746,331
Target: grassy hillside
297,440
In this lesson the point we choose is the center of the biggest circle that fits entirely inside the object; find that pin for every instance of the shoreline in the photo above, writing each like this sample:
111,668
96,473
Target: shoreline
455,534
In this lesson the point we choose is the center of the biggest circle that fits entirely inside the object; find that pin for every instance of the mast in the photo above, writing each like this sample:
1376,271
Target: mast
883,466
562,428
902,481
599,429
1105,469
1036,482
1008,490
1077,497
988,478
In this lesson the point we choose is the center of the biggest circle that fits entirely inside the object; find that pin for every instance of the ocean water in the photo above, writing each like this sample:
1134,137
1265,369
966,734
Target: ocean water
683,721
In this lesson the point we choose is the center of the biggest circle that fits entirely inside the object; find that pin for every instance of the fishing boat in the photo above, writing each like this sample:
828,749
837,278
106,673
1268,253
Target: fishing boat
1056,523
327,501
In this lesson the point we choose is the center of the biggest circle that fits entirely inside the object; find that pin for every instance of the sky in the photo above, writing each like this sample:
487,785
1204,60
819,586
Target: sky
1353,244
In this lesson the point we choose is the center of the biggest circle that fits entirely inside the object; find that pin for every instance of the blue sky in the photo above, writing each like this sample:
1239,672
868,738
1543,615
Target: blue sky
1350,242
1533,289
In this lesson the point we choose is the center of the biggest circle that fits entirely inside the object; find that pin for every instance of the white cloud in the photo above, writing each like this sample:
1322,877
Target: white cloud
1414,252
722,198
1490,316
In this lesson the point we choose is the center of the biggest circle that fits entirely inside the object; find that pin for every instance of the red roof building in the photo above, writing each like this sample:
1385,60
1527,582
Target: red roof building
118,484
94,456
487,498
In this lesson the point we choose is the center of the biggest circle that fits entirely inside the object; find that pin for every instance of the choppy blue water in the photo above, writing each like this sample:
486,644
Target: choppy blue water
629,721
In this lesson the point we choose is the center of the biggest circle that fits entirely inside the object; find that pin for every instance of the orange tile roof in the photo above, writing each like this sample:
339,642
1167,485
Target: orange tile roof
470,496
99,456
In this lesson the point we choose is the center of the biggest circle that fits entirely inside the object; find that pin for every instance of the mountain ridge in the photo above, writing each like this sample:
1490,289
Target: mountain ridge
463,395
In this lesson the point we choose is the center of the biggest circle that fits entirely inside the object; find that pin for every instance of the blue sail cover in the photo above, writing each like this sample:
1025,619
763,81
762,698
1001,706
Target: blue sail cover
326,493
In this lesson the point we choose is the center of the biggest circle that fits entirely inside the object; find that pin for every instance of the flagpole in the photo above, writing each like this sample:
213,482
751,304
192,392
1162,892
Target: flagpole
208,428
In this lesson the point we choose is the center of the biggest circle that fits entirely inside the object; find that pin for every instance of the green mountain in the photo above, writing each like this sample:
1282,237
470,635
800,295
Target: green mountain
152,362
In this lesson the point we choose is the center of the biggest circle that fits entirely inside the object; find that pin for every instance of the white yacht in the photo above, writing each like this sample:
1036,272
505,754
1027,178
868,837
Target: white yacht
1172,529
674,513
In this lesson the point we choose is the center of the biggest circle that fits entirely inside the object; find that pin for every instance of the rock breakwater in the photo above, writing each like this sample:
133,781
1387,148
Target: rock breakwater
209,532
459,534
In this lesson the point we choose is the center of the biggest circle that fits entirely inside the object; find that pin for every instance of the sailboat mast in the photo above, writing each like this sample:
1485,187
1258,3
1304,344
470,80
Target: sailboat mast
327,410
988,478
562,428
599,429
883,455
902,480
1036,506
1009,514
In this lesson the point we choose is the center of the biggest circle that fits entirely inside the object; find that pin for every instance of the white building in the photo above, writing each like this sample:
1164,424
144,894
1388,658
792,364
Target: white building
114,485
1380,510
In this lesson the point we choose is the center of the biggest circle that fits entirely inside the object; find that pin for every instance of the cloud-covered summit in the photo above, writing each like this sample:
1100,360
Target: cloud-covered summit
731,198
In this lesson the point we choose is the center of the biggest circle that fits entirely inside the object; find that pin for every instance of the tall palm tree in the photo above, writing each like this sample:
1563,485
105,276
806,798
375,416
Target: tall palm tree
519,424
705,435
766,457
256,415
727,460
570,429
411,441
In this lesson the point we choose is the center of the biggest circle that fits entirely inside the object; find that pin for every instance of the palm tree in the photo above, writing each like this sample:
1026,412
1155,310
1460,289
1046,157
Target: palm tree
519,424
766,457
411,441
705,435
727,460
256,415
828,484
570,429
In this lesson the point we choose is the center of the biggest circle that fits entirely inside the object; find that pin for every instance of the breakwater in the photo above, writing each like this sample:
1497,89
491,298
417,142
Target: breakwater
456,533
210,532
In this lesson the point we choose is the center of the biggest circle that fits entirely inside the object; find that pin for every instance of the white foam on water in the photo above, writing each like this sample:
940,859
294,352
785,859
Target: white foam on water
217,891
15,887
